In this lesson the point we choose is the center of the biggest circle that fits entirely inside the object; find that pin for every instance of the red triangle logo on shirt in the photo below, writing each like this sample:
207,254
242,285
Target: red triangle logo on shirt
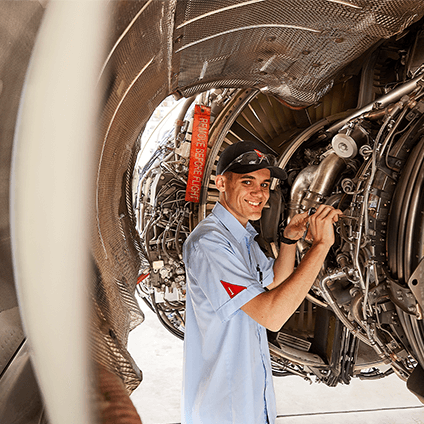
232,289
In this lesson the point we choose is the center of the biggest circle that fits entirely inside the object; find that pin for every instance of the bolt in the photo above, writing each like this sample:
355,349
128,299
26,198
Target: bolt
343,147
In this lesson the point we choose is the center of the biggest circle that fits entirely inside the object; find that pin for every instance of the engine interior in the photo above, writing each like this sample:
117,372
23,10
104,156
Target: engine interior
361,318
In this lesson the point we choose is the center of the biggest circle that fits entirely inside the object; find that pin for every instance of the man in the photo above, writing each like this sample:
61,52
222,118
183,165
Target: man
234,293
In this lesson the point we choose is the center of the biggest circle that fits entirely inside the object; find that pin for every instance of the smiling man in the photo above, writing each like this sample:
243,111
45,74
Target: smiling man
234,293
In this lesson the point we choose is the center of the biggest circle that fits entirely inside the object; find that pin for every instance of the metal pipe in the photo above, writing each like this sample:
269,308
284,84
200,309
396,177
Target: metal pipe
141,204
164,234
169,169
316,301
306,359
355,307
394,127
382,102
335,307
299,187
177,234
364,208
180,118
324,179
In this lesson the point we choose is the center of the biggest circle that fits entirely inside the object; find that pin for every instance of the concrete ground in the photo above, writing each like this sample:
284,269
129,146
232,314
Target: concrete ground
159,354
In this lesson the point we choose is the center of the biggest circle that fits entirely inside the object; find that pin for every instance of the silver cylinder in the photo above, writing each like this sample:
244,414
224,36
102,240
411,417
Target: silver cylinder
323,182
299,187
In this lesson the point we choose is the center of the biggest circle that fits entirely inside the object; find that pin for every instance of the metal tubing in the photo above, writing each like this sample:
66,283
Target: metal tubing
384,101
335,307
181,116
324,178
355,307
299,187
306,359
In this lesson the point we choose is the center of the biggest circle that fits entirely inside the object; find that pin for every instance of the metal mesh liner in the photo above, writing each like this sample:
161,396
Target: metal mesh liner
292,48
127,77
107,347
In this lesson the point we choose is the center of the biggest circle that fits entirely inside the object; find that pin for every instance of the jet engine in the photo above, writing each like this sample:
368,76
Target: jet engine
333,88
363,316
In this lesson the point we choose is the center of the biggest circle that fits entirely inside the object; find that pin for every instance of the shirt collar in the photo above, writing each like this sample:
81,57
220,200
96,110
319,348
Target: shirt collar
232,224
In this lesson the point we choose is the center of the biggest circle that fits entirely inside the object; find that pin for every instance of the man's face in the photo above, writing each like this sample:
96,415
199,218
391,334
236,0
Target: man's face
244,195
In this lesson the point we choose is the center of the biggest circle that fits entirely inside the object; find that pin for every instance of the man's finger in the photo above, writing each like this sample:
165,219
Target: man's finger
325,210
322,212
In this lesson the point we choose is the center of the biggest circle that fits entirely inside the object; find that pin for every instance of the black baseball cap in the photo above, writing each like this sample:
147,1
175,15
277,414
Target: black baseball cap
247,156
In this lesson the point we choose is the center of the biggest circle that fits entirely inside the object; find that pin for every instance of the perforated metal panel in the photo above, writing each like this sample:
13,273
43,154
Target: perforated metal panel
285,47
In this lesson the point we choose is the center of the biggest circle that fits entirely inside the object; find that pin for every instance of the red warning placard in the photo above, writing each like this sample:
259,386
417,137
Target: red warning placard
198,151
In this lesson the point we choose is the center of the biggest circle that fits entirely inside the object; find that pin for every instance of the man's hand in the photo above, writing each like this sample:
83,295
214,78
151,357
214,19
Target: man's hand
321,229
297,226
320,225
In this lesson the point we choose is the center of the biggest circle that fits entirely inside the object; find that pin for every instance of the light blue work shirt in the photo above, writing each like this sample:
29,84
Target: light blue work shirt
227,375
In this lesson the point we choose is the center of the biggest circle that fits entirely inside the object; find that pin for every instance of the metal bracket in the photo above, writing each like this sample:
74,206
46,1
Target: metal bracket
416,284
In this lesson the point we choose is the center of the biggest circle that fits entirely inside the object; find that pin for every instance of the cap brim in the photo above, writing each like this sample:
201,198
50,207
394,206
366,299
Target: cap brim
276,172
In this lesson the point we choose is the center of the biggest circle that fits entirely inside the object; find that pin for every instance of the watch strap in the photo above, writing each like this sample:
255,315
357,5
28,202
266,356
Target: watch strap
286,240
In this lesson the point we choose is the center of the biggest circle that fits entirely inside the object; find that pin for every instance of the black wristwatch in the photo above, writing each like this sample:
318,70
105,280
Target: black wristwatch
286,240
